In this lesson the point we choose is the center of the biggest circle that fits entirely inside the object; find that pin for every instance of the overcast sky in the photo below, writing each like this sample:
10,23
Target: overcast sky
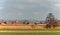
29,9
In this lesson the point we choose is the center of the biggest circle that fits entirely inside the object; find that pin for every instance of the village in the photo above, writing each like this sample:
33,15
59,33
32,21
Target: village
17,24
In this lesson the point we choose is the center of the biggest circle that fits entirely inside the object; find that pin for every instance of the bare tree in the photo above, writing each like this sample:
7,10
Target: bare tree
33,25
50,19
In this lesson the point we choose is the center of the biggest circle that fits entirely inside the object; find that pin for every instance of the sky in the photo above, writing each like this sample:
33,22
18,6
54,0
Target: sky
29,9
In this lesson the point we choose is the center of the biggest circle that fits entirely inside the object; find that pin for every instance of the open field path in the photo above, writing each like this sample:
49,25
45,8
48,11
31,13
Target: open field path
29,31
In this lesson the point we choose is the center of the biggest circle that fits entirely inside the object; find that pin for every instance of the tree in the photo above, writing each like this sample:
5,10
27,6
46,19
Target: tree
33,25
51,21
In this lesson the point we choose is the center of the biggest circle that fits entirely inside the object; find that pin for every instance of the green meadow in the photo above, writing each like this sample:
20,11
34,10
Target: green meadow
29,33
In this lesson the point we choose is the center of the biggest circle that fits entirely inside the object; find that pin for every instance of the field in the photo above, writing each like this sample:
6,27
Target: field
29,32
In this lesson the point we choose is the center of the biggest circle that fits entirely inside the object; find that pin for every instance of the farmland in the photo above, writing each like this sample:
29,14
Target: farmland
29,32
